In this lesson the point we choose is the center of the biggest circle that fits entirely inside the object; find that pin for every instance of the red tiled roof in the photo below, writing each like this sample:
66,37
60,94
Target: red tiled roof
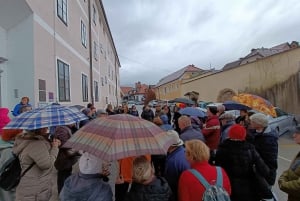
177,74
125,90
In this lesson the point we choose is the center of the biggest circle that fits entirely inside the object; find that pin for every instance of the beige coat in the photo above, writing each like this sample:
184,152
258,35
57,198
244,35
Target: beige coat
36,184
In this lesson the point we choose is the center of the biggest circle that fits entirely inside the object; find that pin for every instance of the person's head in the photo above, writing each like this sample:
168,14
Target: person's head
109,107
211,110
243,113
147,107
158,107
237,132
174,135
142,170
164,118
196,151
89,105
90,164
125,109
40,131
157,121
10,134
221,109
296,135
184,121
133,108
166,109
259,121
226,118
24,100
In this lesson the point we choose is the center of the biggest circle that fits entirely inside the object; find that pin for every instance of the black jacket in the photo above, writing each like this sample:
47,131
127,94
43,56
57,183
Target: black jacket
157,190
238,158
266,144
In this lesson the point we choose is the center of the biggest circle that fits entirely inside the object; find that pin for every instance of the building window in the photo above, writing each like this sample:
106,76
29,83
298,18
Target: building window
96,51
84,84
105,80
63,81
62,10
106,100
102,81
42,90
96,87
94,14
83,34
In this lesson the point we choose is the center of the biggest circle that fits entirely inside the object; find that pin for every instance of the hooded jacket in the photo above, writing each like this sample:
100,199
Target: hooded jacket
88,187
4,119
36,184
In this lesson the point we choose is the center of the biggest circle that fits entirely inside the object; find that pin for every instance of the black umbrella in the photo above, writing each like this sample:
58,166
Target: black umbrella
184,100
232,105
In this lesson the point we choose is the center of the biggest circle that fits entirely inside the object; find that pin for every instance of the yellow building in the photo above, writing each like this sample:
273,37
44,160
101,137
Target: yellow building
169,87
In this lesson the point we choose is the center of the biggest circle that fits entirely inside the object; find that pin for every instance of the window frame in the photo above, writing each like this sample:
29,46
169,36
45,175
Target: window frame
84,88
66,88
96,90
62,10
83,34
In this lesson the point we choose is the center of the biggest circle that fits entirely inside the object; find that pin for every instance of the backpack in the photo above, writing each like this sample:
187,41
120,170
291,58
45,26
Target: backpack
213,192
11,174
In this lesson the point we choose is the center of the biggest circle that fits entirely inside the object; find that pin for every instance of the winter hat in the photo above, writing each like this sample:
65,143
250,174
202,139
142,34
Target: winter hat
173,134
164,118
4,119
90,164
142,169
237,132
260,119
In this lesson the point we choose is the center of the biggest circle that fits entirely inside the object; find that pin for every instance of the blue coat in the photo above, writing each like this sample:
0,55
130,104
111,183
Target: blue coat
189,133
88,187
17,109
176,163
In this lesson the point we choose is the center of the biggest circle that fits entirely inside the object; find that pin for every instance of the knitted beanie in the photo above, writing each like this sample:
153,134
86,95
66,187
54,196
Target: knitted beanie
237,132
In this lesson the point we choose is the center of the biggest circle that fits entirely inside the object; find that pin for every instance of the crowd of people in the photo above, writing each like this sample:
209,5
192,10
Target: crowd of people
245,148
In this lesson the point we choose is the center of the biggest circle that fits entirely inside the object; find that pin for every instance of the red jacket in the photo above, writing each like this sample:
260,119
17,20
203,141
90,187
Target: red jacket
190,189
211,132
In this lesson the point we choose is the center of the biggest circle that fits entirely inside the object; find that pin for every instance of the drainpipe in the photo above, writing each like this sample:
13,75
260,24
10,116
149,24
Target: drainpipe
91,52
1,71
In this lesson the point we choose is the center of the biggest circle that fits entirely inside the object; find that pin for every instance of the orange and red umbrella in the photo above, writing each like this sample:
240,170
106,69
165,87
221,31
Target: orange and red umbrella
256,102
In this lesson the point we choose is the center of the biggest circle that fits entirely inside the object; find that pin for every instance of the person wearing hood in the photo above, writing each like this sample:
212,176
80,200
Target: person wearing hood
266,144
88,183
4,119
6,143
165,120
34,149
227,120
17,108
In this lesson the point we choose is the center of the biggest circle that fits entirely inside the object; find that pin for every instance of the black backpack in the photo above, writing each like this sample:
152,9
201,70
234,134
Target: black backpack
12,173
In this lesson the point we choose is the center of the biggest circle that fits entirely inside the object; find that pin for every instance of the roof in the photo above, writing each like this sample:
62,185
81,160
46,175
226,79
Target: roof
125,90
261,53
177,74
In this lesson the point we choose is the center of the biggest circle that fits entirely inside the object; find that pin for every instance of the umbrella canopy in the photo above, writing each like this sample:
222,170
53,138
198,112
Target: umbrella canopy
256,102
192,111
51,115
120,136
78,107
233,105
184,100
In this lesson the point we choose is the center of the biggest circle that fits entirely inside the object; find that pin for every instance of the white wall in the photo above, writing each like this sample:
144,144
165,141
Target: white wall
20,65
3,66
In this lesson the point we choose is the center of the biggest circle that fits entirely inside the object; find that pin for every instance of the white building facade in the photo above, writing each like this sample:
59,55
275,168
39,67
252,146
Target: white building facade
57,51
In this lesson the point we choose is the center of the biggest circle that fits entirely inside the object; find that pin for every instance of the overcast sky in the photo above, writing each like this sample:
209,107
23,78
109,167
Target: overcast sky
155,38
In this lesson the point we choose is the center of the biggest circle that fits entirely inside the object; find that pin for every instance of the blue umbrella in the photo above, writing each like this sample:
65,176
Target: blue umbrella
51,115
192,111
232,105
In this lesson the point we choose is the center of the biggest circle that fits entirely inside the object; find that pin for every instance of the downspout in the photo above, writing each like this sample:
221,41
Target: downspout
116,74
90,52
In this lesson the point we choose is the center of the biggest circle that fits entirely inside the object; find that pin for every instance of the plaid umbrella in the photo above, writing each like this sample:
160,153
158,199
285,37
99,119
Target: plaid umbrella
51,115
256,102
120,136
